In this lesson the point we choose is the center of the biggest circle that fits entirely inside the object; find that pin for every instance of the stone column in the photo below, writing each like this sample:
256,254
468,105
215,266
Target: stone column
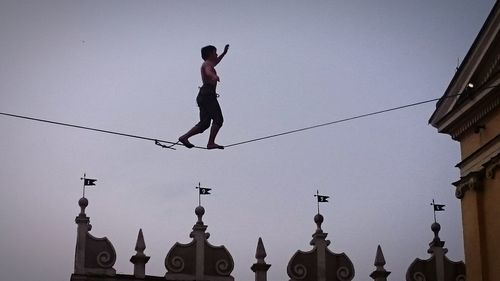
83,228
468,191
200,236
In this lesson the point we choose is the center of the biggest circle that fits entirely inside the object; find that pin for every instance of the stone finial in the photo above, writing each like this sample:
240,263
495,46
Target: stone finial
319,235
436,242
140,259
260,267
380,274
199,211
83,203
318,219
199,227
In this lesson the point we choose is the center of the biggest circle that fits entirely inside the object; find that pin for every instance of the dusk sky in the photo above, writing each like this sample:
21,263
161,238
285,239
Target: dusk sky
133,67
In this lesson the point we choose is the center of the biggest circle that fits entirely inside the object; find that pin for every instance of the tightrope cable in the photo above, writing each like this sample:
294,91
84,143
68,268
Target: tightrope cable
171,144
338,121
157,141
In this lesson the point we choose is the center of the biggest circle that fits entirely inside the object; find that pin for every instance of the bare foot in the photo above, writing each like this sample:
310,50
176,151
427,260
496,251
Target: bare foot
214,146
185,142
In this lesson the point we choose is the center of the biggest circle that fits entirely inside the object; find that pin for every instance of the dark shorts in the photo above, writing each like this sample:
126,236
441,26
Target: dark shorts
209,107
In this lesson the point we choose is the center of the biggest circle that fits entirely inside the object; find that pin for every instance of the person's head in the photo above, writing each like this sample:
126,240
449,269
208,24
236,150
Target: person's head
208,51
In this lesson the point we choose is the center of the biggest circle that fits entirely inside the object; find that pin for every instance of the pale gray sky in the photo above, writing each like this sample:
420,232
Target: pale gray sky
133,67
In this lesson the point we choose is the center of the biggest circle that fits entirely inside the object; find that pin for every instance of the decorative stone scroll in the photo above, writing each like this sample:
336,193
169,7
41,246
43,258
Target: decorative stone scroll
99,252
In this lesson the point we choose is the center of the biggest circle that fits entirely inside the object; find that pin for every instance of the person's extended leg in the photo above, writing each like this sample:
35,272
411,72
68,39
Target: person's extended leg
201,126
211,139
184,138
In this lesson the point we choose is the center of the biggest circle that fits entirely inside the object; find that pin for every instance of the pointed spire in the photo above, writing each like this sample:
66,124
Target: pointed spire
140,259
379,258
380,274
260,267
260,253
140,246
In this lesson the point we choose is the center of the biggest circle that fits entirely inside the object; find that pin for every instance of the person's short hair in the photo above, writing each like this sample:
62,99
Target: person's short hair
206,51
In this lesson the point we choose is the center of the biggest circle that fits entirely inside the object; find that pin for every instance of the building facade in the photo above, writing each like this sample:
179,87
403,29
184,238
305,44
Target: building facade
469,112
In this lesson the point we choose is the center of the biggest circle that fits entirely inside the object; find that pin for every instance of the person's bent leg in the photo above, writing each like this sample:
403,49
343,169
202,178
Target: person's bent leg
198,128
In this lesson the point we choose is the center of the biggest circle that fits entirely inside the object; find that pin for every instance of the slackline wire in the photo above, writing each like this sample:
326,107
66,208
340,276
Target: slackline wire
157,141
171,144
339,121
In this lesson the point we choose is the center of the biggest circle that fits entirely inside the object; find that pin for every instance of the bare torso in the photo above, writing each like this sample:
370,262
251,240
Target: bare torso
208,73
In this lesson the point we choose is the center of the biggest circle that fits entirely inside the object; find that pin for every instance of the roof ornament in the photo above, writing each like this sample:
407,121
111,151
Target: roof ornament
379,274
438,266
87,182
320,264
260,267
199,260
140,259
93,255
437,208
321,198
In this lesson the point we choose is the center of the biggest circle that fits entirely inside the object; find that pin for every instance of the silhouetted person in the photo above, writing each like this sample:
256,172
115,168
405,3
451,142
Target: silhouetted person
207,99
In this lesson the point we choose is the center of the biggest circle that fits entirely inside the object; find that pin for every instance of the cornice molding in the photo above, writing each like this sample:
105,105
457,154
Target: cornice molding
466,120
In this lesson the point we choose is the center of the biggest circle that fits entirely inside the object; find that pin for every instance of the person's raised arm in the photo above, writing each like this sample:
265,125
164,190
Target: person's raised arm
219,58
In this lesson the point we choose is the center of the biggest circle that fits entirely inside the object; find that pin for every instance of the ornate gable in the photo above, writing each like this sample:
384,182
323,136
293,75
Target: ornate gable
320,264
438,266
199,260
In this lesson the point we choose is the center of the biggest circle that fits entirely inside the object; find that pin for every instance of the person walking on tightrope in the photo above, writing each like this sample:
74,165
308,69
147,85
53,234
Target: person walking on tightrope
207,99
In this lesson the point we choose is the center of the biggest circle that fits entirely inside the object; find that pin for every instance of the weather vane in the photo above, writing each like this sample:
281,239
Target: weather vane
87,182
437,208
202,191
321,198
